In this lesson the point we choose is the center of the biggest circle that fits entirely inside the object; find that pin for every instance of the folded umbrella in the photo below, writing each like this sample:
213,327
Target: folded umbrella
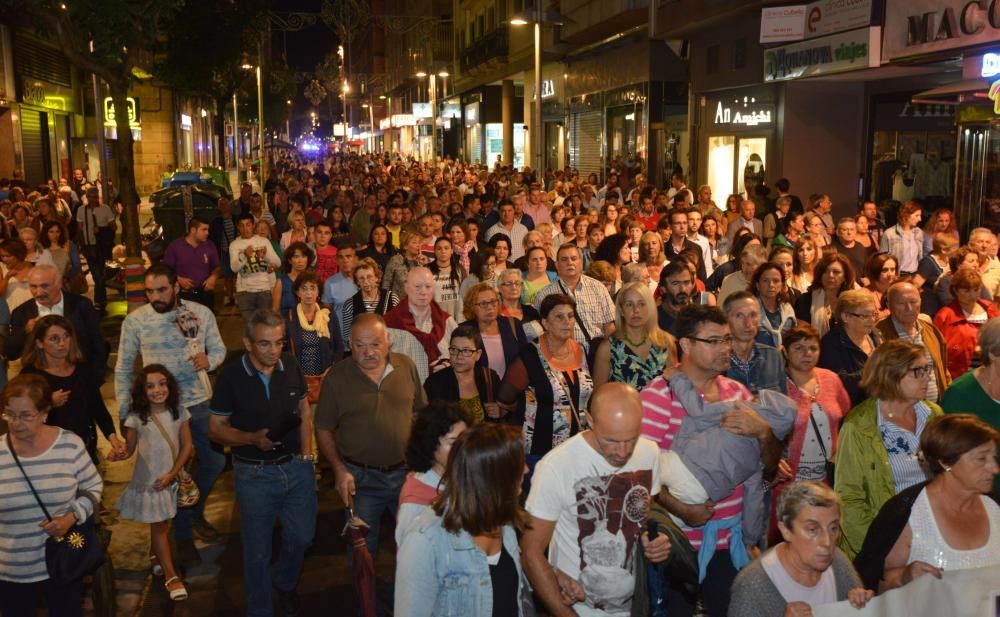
362,566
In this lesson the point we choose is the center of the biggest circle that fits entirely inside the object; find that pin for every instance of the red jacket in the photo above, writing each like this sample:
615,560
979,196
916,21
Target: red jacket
960,335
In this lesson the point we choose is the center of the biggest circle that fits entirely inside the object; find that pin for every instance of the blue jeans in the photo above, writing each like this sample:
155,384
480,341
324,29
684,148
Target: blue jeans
266,494
376,492
210,465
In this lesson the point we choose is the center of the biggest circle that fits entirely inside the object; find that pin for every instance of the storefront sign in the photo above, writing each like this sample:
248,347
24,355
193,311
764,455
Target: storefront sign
133,113
782,23
185,121
385,124
831,16
548,88
837,53
422,110
916,27
743,114
451,110
403,120
990,65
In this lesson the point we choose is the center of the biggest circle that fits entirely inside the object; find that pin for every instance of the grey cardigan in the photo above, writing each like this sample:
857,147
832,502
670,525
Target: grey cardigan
754,595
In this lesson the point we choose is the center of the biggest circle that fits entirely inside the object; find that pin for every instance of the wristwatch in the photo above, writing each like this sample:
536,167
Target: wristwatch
308,458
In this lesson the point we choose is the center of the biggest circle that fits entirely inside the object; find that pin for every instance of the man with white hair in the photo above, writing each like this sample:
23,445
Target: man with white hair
45,284
418,327
983,242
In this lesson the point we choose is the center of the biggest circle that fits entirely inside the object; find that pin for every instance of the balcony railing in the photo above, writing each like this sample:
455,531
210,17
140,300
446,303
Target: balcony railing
491,48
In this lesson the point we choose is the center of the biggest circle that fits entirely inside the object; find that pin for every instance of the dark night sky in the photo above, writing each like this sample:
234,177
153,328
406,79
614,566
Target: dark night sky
306,48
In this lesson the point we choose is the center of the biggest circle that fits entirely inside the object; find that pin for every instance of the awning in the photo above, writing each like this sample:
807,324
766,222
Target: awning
950,94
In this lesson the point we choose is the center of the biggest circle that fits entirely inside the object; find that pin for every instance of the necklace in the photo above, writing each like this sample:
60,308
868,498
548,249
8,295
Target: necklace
632,343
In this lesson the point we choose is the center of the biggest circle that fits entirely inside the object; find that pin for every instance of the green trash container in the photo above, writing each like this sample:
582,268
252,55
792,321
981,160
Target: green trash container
174,207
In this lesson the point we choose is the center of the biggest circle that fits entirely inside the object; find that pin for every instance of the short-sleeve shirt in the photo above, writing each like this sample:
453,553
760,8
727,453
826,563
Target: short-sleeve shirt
193,262
91,219
371,421
600,511
253,401
593,305
662,415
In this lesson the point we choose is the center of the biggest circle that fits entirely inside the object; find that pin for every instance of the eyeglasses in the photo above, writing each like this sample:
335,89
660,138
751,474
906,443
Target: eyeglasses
725,341
920,372
460,352
510,284
24,417
485,304
864,316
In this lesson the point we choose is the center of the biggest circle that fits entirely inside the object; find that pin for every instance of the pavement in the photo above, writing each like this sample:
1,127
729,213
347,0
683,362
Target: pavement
216,585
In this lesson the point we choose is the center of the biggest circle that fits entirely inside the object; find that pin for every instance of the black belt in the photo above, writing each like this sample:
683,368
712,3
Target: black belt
383,469
281,460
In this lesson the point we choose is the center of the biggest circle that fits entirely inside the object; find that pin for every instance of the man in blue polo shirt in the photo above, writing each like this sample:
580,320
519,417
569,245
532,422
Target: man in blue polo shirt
260,410
196,262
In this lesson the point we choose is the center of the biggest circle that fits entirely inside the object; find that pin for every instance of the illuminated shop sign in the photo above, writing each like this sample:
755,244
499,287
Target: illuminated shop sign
747,114
847,51
132,110
991,65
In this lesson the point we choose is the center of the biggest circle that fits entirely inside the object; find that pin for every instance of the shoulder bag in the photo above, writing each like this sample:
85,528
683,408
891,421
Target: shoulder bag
830,466
187,491
70,557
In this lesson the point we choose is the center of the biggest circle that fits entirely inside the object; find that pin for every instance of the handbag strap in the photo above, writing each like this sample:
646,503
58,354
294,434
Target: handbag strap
489,383
576,313
10,446
163,431
819,437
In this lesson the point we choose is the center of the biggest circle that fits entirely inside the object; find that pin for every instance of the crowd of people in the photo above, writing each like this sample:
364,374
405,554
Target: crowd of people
568,396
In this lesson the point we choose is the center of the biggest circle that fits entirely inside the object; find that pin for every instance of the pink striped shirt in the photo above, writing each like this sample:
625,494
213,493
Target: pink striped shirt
662,415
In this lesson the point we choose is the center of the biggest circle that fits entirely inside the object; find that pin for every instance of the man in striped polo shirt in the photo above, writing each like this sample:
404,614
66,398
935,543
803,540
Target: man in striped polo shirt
705,344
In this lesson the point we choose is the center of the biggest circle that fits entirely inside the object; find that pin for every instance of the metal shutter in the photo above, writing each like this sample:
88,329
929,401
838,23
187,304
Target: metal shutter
33,147
585,143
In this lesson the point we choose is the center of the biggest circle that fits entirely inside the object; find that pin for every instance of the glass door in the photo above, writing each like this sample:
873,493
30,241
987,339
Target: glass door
721,159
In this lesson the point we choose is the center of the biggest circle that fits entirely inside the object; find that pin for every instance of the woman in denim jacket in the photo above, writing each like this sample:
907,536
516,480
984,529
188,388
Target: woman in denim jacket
461,556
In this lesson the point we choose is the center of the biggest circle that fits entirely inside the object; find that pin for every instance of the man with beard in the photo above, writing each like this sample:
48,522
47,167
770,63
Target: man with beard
705,345
183,337
677,288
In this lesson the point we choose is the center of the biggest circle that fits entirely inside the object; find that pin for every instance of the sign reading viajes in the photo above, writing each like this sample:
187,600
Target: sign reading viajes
837,53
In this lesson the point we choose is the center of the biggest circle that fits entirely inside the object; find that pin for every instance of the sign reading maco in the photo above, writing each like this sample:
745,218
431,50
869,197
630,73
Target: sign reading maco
917,27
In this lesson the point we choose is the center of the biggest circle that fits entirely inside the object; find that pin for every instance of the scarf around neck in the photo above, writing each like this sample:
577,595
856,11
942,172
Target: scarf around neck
320,324
402,319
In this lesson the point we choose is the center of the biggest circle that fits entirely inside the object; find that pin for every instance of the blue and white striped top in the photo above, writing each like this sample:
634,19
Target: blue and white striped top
903,446
59,474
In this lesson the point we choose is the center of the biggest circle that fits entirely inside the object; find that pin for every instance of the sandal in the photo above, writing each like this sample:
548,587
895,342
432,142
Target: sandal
178,593
157,568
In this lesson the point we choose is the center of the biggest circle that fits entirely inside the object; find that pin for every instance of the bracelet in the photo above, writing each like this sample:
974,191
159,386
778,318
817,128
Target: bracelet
308,458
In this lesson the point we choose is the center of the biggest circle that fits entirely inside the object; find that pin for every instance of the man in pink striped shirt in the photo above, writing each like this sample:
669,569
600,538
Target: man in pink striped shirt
705,344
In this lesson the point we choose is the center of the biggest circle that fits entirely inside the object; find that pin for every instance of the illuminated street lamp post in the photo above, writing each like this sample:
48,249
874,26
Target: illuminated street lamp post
538,17
260,120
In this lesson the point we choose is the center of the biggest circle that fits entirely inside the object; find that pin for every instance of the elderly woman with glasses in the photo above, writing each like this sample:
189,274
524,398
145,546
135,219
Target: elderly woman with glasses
880,438
55,461
502,337
511,290
806,569
851,340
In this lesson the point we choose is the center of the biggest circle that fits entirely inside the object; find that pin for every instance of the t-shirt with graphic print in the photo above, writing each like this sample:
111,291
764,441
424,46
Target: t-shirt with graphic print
600,512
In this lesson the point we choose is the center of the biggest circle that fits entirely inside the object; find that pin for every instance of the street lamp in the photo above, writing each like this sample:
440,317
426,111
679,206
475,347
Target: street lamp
538,16
260,116
371,124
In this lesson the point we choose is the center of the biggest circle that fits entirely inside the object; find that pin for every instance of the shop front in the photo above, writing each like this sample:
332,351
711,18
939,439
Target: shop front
483,122
47,95
739,139
956,162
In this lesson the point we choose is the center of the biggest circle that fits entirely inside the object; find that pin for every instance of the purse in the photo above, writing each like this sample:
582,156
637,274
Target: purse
70,557
187,491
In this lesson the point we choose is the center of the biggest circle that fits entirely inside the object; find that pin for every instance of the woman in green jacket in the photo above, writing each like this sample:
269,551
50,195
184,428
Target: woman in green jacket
880,438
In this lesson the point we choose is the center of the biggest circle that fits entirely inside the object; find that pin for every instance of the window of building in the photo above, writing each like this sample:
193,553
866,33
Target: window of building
739,54
712,59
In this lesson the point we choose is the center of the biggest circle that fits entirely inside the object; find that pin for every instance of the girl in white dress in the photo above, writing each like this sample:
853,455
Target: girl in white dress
151,494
